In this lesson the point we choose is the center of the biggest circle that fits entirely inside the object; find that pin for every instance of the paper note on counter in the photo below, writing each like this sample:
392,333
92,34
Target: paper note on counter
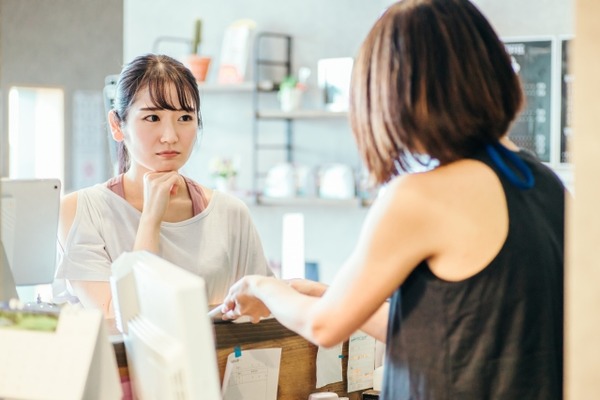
361,361
329,365
252,375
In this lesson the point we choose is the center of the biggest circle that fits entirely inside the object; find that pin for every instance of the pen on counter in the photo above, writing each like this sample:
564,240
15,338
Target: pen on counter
216,313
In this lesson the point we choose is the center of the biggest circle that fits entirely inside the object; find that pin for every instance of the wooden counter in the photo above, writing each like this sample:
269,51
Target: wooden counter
297,373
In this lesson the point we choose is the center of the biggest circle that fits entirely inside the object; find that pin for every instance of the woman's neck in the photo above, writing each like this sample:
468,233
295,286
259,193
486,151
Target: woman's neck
509,144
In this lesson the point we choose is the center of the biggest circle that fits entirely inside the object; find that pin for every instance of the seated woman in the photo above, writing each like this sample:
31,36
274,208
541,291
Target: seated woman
150,206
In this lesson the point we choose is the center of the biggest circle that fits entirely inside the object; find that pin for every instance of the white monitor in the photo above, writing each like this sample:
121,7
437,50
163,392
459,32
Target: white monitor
162,311
29,222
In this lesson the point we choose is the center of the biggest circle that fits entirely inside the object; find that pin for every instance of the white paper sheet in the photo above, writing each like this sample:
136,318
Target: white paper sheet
379,353
361,361
329,365
253,375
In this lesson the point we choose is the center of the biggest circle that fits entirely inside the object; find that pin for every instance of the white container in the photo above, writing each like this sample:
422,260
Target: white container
281,181
336,181
290,99
323,396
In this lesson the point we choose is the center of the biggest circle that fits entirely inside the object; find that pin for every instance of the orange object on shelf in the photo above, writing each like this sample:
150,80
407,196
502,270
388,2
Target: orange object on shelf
199,66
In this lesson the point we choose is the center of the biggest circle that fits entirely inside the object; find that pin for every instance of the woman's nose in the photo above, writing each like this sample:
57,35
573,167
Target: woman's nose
169,133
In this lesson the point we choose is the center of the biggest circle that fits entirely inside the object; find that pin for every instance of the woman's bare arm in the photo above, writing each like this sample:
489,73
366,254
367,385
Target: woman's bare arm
376,326
386,253
94,295
91,294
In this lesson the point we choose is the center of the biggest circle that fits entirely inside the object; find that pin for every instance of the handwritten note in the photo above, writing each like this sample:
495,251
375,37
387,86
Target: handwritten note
361,361
252,375
329,365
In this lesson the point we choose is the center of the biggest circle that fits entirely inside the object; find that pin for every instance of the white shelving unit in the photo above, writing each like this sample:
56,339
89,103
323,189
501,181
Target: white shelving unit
257,89
300,114
308,201
282,65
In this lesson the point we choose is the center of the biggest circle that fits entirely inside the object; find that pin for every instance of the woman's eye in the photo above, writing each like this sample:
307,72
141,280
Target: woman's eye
186,118
152,118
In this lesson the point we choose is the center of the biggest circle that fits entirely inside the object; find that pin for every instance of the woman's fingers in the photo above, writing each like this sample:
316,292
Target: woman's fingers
165,182
159,187
240,302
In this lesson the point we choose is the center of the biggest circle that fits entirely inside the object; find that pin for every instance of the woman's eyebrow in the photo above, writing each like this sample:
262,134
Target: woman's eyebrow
160,108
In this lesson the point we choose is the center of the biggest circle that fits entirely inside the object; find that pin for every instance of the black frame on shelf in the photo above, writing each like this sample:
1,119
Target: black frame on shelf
284,63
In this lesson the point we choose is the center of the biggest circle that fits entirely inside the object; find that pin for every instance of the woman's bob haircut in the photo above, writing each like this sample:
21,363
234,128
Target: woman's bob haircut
432,77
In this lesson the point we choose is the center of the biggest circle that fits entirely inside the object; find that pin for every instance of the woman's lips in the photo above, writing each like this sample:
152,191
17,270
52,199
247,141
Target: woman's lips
168,154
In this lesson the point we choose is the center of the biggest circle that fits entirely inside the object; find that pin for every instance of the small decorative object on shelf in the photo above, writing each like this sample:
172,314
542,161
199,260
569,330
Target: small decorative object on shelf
334,75
198,64
281,181
235,51
289,95
336,181
291,90
224,172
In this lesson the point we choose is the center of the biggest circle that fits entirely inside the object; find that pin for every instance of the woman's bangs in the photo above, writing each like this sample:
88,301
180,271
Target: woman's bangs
160,94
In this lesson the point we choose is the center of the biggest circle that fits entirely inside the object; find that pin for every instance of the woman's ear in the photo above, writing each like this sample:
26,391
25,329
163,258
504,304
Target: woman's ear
115,126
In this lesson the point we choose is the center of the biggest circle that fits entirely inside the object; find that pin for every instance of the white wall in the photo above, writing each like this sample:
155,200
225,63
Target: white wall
321,29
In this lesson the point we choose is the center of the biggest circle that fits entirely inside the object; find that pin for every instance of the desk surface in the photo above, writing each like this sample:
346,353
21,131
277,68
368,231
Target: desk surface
297,374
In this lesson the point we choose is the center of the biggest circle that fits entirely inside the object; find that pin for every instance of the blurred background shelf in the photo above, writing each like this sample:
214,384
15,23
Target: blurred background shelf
226,87
300,114
308,201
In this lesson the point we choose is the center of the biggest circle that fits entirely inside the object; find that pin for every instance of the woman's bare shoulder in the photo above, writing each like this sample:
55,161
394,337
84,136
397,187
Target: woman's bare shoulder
447,179
413,189
68,209
68,204
429,196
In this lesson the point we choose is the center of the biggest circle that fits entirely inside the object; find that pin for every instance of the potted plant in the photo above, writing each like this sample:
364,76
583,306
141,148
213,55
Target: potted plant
291,89
223,171
196,63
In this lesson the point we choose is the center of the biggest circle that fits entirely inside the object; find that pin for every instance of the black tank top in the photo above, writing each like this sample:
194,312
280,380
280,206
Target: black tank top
499,333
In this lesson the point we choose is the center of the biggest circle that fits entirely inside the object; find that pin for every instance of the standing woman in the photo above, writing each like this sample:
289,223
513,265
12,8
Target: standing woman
149,205
458,269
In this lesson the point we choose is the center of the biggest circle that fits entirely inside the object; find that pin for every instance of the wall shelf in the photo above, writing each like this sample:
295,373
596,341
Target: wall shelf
226,87
299,201
264,66
300,114
308,201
